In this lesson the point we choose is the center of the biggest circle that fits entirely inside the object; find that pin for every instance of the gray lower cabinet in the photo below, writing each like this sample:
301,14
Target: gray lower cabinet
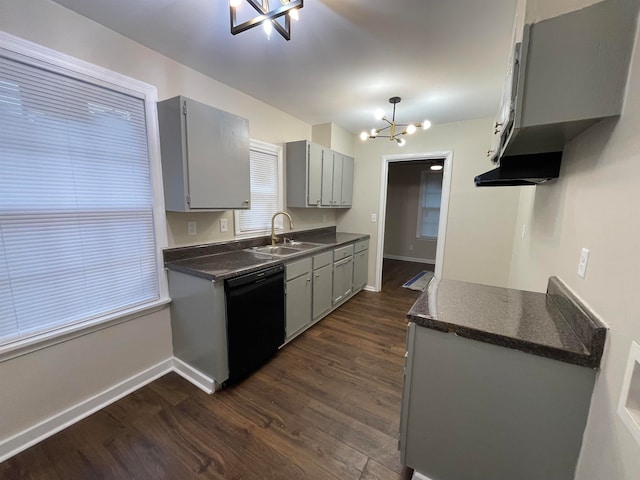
298,296
205,157
322,284
198,324
360,264
478,411
342,274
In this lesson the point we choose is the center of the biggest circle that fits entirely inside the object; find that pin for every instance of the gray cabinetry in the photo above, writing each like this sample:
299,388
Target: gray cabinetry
205,157
322,283
508,414
298,296
317,176
342,273
360,264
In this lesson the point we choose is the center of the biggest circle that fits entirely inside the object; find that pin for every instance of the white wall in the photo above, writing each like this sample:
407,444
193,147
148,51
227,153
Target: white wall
481,220
594,204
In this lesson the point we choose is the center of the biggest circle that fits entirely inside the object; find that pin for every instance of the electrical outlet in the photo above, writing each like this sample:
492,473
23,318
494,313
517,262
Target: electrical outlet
374,218
584,261
324,217
192,228
411,247
224,226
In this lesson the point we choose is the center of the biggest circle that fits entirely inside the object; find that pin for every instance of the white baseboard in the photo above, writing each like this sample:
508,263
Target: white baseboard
419,476
409,259
369,288
23,440
194,376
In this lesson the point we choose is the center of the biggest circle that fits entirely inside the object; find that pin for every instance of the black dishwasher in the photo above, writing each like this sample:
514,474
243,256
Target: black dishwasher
255,319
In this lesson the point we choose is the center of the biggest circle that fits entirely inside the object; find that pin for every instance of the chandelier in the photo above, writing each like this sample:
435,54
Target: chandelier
267,18
391,130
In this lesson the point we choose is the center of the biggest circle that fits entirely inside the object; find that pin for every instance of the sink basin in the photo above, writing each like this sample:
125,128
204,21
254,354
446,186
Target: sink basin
277,250
303,245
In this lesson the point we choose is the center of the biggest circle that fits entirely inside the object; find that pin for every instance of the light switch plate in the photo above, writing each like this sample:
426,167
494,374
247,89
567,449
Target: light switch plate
224,226
582,264
374,218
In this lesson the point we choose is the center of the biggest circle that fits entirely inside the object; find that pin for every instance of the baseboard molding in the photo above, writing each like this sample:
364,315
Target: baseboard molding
369,288
194,376
409,259
23,440
419,476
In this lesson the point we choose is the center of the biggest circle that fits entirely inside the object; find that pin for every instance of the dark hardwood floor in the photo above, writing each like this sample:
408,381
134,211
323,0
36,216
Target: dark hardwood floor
327,406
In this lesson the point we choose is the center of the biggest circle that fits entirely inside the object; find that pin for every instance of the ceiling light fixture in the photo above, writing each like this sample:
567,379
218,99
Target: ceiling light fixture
267,17
409,128
436,167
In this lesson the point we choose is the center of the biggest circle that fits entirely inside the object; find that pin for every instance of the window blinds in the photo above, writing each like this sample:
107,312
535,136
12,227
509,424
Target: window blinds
265,191
76,221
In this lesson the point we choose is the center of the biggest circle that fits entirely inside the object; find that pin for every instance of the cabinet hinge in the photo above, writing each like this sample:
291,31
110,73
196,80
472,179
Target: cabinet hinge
184,107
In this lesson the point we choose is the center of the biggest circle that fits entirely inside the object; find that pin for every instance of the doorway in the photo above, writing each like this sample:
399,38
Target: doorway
423,227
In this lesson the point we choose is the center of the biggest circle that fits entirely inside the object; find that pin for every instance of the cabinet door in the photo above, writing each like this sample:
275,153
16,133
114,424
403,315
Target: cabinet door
336,195
342,279
360,269
217,156
347,182
298,304
327,178
322,290
315,174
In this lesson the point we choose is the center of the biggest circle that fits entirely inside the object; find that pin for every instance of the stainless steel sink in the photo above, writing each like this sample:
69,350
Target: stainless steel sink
277,250
303,245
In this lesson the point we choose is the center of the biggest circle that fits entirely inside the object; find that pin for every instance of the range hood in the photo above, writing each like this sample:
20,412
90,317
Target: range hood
517,170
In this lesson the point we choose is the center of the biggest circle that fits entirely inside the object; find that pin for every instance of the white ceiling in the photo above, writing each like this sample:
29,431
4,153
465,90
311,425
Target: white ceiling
445,58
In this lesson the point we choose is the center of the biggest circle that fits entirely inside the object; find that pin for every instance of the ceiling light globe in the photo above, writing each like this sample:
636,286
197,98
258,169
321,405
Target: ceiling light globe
294,14
268,28
379,114
234,3
401,142
373,132
411,128
436,167
364,136
426,125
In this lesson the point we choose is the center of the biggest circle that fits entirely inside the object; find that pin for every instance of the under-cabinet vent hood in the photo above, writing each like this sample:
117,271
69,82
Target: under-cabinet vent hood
519,170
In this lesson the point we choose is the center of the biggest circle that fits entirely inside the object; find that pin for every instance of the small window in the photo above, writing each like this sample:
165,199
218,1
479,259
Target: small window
266,190
429,207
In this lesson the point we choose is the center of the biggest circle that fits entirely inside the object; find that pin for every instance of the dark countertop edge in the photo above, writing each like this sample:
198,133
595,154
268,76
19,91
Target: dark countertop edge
583,360
172,265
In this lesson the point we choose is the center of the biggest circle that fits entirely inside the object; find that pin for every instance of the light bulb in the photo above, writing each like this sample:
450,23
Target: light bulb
411,128
374,132
364,136
379,114
436,167
401,142
234,3
268,28
426,125
294,14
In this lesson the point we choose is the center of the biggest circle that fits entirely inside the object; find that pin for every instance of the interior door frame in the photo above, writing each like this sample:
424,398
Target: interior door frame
444,206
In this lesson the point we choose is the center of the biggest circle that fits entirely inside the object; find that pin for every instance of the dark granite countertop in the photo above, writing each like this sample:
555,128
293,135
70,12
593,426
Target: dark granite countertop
228,259
553,325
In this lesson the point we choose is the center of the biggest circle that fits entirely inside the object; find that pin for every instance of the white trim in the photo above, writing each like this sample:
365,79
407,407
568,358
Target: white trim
409,259
54,424
13,47
370,288
419,476
194,376
444,206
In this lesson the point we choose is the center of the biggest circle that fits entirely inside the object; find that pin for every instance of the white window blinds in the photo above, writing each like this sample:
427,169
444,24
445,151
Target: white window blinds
429,211
76,221
266,190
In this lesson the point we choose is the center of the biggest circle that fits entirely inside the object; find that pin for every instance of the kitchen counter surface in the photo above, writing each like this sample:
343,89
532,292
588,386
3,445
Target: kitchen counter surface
219,261
553,325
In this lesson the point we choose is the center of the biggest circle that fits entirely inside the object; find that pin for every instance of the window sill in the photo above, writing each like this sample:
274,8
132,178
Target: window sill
19,348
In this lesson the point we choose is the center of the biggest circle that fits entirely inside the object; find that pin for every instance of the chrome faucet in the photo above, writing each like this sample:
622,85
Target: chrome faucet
274,239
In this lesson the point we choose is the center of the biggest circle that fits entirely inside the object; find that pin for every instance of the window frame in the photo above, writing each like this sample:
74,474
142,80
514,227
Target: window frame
33,54
424,174
276,150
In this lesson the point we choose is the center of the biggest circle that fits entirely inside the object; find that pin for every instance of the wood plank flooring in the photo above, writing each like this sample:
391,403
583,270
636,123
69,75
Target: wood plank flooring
326,407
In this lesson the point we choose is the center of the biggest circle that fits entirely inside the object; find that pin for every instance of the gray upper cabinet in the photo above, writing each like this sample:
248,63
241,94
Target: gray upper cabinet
568,73
205,157
317,176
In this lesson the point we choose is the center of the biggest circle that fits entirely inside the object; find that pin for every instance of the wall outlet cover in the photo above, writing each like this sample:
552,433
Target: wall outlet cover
192,228
224,226
374,218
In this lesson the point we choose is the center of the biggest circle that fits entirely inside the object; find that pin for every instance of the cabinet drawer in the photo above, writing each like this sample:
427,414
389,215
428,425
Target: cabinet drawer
322,259
342,252
295,269
360,246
